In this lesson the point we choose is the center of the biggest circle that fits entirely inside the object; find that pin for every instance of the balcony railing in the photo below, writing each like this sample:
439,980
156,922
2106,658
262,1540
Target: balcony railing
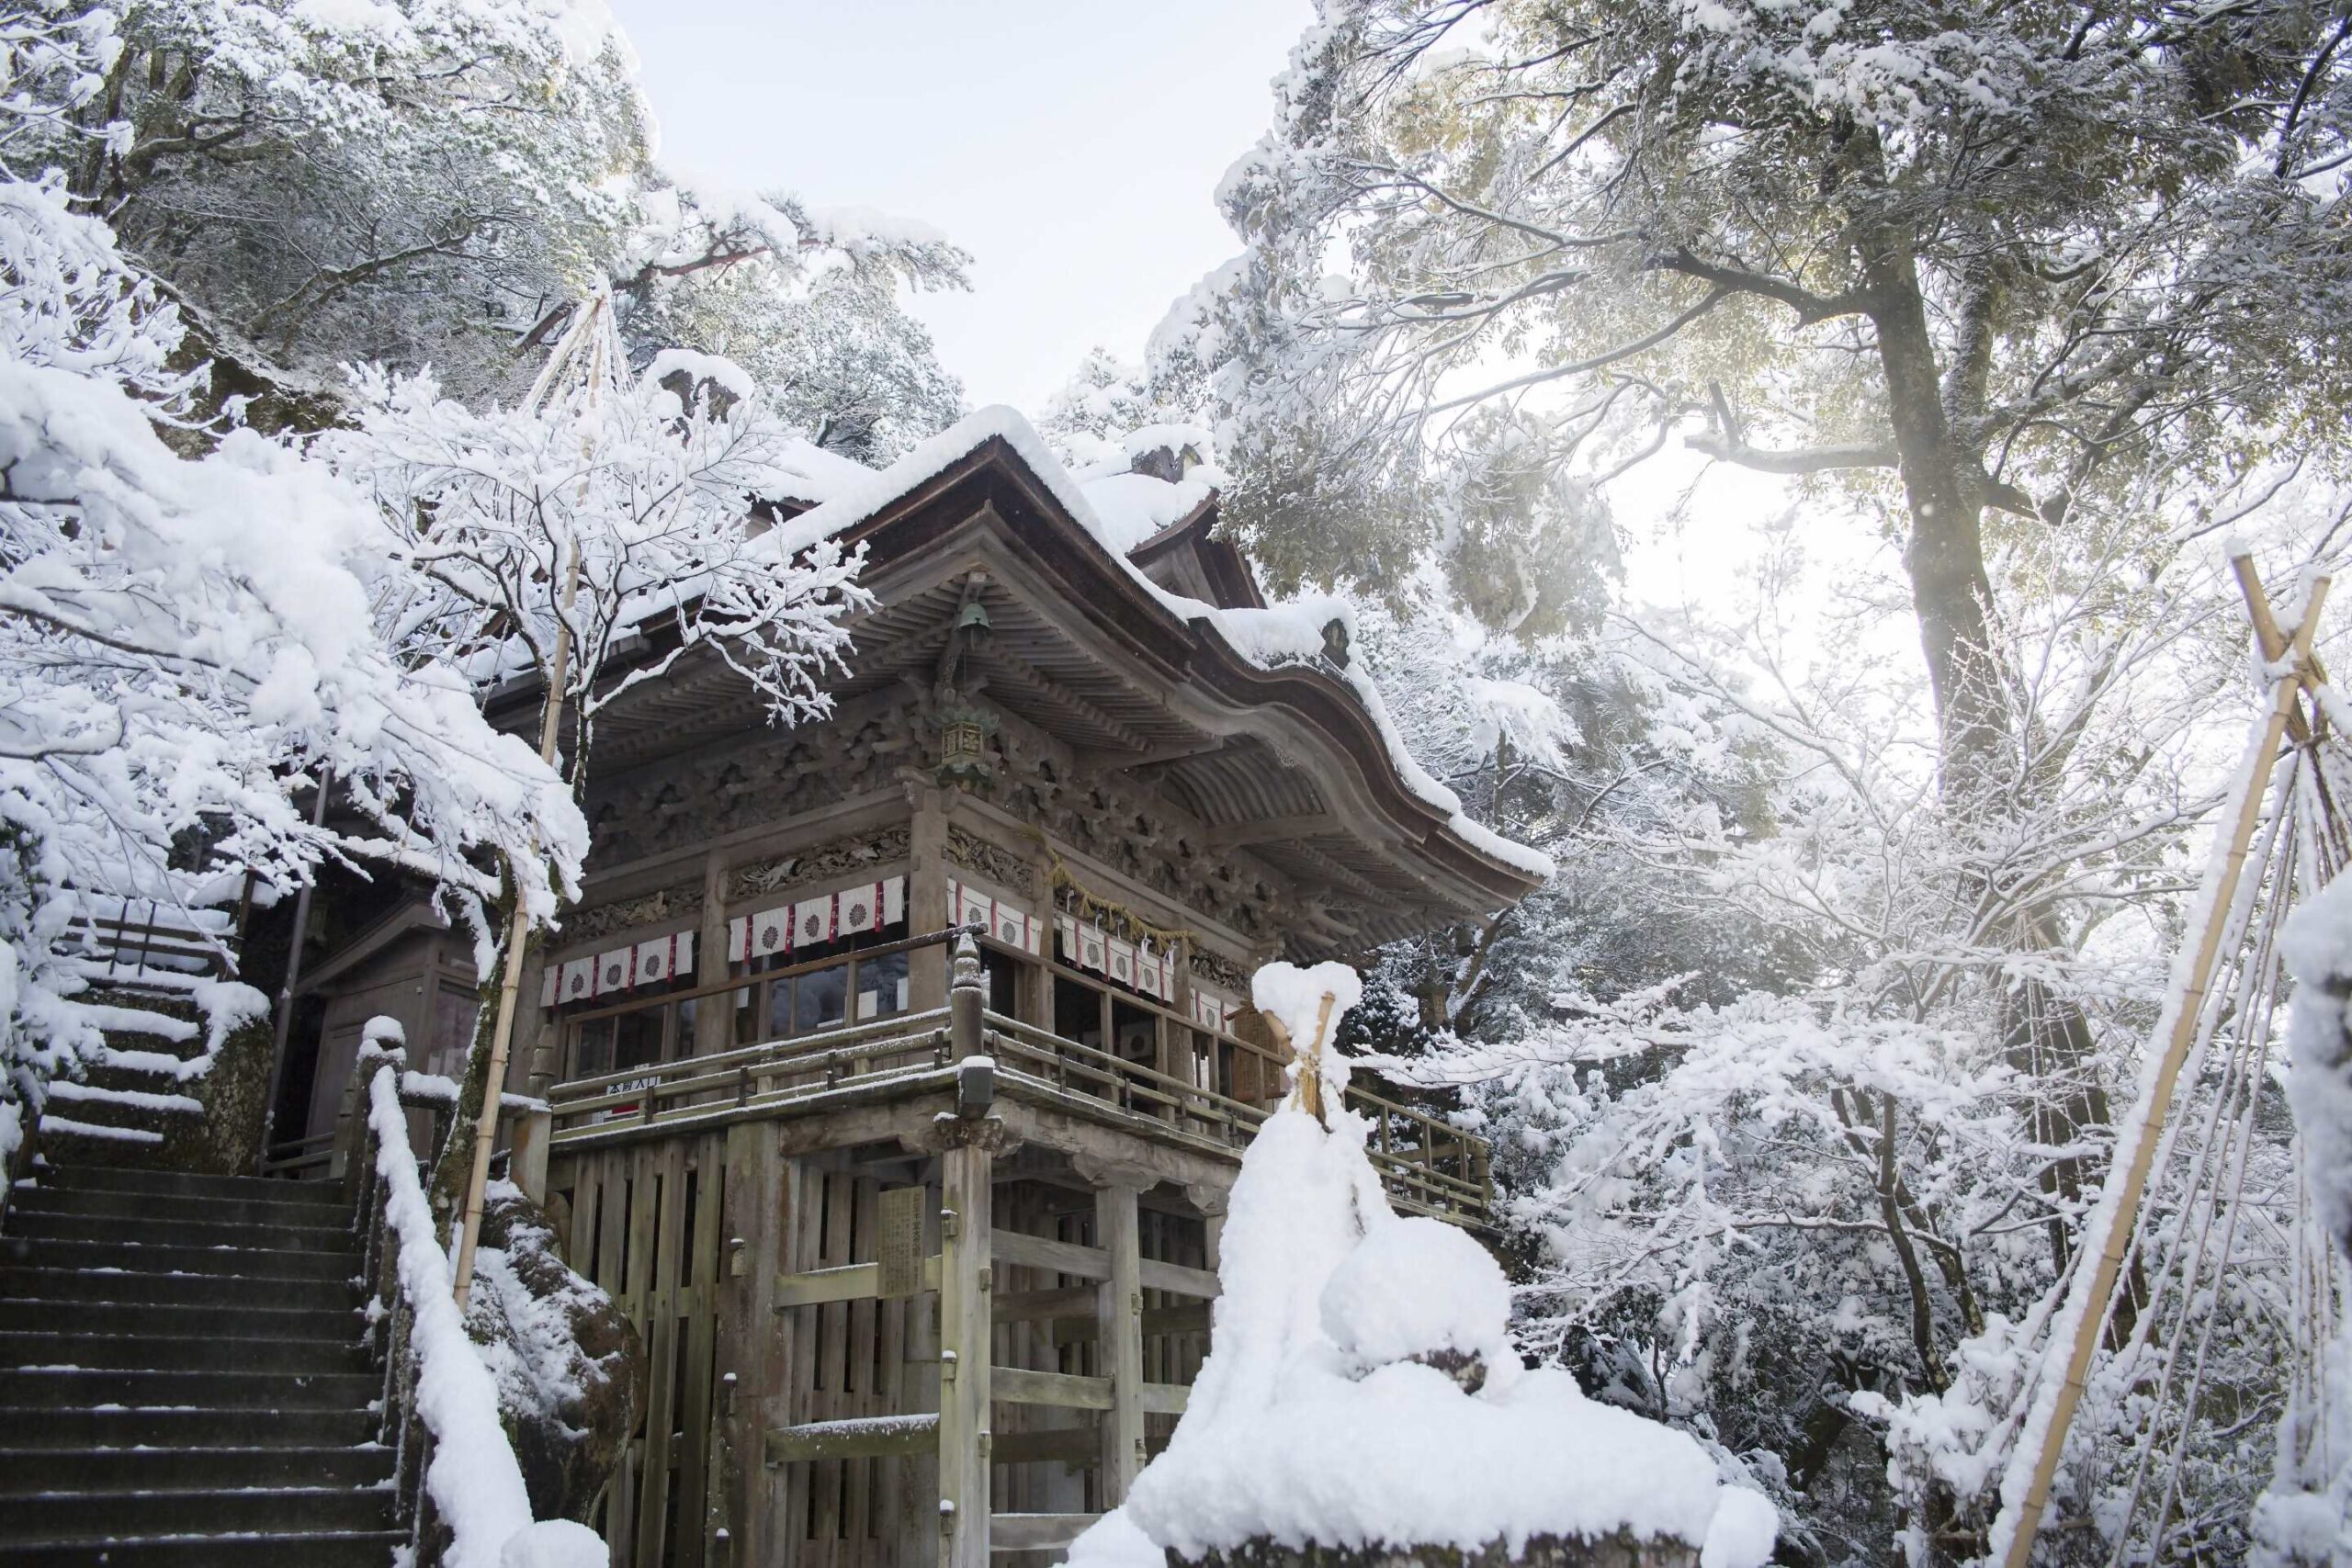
1428,1165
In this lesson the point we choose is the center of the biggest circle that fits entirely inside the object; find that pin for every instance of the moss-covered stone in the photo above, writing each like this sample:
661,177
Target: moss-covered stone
222,1138
571,1368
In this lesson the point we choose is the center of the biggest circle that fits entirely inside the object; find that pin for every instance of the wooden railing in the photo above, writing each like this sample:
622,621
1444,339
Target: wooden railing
1428,1165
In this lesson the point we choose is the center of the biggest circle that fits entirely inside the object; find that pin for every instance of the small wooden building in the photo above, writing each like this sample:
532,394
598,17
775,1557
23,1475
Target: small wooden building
902,1305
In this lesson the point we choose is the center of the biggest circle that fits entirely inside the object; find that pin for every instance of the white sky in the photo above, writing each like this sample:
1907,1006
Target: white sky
1072,148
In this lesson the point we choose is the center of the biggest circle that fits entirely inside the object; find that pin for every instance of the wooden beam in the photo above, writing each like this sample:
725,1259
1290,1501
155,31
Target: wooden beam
1033,1306
1016,1385
878,1436
851,1282
1233,835
1062,1257
1156,1321
1038,1532
1183,1282
1165,1398
1071,1445
1157,756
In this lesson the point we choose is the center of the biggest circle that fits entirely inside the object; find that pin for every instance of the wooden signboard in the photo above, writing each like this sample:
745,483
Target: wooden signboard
897,1249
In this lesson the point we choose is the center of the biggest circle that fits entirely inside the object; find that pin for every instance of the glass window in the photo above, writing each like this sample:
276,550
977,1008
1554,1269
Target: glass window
882,985
636,1038
779,1010
593,1053
823,996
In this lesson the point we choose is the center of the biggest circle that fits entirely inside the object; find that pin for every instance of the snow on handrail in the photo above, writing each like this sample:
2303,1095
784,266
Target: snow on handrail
440,1400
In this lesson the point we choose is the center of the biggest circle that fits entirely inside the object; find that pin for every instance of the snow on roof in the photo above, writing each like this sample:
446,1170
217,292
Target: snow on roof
1135,507
1278,635
813,474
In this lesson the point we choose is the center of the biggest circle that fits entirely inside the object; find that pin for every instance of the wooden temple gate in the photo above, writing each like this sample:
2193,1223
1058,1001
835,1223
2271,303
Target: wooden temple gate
927,1288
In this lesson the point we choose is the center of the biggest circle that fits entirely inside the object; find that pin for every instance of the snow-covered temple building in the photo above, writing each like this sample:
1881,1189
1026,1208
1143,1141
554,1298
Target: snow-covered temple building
895,1295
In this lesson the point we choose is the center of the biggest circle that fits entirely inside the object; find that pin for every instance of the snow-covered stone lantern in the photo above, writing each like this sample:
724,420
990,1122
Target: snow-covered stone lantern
1362,1406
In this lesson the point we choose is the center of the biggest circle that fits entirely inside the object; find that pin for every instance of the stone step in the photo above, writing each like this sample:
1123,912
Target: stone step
219,1352
168,1183
58,1389
102,1202
71,1516
33,1314
322,1548
255,1265
46,1224
121,1286
123,1427
145,1469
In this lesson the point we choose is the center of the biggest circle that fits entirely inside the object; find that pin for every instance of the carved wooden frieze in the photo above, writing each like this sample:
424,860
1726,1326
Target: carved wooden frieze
626,914
827,862
1010,871
772,773
1212,969
1137,834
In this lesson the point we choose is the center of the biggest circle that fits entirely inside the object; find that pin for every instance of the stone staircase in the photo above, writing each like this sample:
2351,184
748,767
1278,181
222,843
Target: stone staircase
181,1377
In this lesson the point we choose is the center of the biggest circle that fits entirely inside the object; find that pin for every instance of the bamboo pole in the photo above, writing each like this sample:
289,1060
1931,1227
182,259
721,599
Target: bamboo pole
509,983
2122,1221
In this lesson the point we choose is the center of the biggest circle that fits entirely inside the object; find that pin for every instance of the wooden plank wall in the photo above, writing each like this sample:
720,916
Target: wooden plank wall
646,1226
649,1223
847,1359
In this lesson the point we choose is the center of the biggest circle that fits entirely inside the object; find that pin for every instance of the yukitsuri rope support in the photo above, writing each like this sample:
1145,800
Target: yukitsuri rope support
2115,1221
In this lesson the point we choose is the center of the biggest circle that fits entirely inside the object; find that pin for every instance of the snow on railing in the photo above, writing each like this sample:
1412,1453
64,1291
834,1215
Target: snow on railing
458,1486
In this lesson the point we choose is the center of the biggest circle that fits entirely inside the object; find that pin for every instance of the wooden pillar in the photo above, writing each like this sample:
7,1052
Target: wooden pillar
927,894
746,1493
715,1016
965,1218
969,1143
1118,1315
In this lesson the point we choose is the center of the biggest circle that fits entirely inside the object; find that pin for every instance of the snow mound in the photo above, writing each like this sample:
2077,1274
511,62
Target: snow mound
1307,1423
1417,1289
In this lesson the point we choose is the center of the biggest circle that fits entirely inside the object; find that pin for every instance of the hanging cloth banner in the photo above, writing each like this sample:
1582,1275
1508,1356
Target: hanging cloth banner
550,981
813,922
579,979
1002,919
1213,1012
664,958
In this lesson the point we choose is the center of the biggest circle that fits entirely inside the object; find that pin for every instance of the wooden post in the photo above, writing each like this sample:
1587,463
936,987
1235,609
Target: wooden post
715,1017
965,1220
926,894
2235,834
751,1395
1118,1312
967,1144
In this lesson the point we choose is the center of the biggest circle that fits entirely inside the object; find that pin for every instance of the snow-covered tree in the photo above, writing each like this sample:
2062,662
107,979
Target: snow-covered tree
1912,246
430,184
189,647
1106,400
609,508
806,301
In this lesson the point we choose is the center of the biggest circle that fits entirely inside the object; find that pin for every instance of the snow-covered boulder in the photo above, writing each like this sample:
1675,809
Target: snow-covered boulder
1339,1420
569,1367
